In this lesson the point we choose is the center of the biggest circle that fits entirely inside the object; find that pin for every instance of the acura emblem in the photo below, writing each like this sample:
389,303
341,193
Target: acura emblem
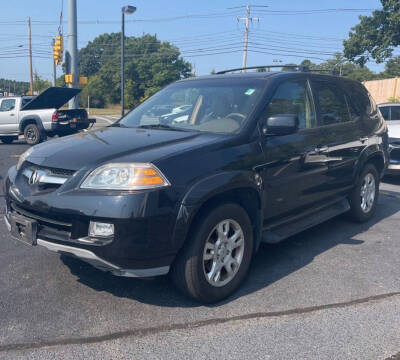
34,178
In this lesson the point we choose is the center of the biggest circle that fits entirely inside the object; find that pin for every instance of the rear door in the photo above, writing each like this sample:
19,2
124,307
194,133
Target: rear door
293,173
8,116
339,122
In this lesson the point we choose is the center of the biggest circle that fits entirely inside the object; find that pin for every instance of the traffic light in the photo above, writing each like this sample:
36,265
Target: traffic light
58,49
69,79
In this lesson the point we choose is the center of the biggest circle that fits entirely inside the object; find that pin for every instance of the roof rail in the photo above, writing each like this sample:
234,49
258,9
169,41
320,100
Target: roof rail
294,67
299,68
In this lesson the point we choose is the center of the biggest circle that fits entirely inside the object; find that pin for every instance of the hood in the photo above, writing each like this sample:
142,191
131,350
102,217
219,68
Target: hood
115,144
51,98
394,129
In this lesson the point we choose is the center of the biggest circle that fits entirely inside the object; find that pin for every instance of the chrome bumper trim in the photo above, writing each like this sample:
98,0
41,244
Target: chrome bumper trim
100,263
43,177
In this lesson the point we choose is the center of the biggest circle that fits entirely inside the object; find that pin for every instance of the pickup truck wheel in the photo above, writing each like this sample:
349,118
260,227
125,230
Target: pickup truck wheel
7,139
33,135
364,196
217,255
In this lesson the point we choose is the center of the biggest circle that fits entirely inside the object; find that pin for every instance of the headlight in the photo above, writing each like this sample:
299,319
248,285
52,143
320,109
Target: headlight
23,157
125,176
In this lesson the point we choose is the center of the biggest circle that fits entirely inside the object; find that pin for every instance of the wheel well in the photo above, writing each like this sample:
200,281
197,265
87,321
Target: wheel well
26,122
247,198
378,162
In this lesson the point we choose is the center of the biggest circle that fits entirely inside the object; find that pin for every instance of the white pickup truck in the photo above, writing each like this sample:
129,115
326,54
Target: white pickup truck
39,117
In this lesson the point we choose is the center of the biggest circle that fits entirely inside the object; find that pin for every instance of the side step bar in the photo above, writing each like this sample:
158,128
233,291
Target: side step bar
273,235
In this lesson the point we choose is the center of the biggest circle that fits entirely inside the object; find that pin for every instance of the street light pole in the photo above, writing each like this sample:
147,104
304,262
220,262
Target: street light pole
123,65
125,10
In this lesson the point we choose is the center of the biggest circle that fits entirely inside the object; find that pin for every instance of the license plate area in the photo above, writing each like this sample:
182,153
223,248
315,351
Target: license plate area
23,229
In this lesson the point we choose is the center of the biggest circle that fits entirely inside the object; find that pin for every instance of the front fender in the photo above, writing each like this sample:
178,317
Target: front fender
213,185
204,190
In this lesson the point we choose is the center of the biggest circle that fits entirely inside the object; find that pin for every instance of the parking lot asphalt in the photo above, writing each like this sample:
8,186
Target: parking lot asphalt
332,292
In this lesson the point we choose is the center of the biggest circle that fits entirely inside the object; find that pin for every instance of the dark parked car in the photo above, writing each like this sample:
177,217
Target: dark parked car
261,156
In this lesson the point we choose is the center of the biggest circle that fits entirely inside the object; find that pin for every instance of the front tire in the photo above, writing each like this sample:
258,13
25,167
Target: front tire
364,196
33,135
217,255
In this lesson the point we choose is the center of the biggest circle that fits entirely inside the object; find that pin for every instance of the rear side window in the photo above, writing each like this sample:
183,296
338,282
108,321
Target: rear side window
395,113
331,103
293,97
358,97
7,105
385,111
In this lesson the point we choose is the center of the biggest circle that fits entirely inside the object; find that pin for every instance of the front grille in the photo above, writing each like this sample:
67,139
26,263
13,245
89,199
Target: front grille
51,170
56,227
43,179
41,218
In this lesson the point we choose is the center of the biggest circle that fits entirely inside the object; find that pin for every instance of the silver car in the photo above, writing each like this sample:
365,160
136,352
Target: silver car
391,113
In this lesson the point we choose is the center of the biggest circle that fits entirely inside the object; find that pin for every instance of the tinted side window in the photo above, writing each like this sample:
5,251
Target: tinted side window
7,104
293,97
385,111
332,103
358,97
395,113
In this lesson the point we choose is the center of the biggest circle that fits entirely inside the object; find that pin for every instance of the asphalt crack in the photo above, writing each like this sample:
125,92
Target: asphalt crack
193,325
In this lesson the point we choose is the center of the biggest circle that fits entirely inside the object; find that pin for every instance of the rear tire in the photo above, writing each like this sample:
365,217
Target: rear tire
7,139
33,135
364,196
216,257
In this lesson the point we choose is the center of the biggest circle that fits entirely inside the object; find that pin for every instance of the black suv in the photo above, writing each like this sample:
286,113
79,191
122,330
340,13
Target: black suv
255,157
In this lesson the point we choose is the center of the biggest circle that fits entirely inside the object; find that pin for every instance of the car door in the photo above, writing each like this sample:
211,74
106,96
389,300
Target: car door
8,116
342,129
294,172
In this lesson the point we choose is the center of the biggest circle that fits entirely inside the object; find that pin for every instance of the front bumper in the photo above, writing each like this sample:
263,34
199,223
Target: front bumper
146,238
97,262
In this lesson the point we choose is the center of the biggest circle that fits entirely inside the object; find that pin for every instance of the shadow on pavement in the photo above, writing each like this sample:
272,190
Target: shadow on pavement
271,263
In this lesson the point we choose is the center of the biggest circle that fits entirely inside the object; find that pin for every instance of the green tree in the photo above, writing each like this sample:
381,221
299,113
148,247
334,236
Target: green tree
149,66
39,84
392,68
375,36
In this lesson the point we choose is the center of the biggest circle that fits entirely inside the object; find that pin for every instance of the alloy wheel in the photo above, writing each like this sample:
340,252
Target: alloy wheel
223,253
368,192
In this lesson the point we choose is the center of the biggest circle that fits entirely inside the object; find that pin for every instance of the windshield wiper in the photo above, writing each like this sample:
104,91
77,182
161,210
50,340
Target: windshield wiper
161,127
118,124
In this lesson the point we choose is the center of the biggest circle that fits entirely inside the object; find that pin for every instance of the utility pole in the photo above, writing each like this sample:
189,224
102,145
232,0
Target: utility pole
30,55
247,20
54,66
73,49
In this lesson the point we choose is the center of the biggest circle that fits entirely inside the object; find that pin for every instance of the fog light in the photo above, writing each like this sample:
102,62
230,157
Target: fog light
99,229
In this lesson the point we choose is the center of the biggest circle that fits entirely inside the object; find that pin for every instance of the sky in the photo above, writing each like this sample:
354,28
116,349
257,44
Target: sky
212,39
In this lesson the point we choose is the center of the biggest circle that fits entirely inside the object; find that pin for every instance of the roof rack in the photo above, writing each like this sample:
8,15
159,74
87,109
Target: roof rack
294,67
299,68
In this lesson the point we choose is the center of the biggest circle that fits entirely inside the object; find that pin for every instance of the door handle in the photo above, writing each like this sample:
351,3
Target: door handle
12,114
363,139
322,149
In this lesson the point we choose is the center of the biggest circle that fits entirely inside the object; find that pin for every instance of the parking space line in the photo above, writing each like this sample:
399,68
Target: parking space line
191,325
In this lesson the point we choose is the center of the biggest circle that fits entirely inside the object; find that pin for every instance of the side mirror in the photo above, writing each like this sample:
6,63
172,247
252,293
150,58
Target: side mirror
281,124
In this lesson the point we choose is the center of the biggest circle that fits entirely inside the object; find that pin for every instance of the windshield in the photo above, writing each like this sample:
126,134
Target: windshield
212,106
